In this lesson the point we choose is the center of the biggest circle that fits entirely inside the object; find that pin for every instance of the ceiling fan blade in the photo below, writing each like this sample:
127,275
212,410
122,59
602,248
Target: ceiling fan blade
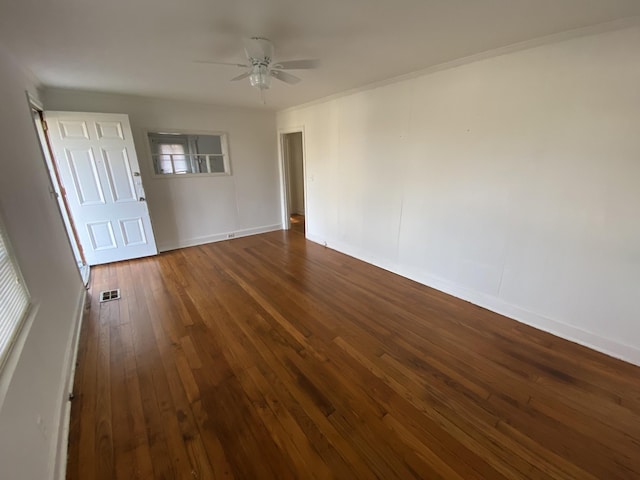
297,64
223,63
285,77
258,48
240,77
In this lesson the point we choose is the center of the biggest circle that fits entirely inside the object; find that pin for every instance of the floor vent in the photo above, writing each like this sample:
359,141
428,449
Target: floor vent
110,295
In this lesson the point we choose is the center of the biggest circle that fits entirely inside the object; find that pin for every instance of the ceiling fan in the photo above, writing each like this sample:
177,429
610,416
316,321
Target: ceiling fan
261,67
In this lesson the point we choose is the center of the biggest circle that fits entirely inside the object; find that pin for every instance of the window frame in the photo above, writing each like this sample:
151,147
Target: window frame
13,336
224,144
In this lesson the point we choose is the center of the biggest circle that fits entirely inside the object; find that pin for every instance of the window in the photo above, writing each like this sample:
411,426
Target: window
189,154
14,299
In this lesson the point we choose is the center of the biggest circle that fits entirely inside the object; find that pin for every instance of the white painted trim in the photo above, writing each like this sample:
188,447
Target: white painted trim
10,363
34,102
284,172
224,142
618,24
572,333
192,242
59,456
85,273
54,182
190,175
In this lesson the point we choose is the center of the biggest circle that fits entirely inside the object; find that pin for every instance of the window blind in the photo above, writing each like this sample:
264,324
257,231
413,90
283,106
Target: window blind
14,299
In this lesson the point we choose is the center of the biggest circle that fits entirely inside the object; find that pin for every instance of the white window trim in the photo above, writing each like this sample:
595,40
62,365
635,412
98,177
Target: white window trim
224,142
5,353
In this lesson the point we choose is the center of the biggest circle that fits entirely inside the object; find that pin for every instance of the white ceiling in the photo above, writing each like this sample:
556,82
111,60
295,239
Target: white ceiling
149,47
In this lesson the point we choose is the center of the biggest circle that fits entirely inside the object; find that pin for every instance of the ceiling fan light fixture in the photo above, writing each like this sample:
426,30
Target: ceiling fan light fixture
260,77
260,67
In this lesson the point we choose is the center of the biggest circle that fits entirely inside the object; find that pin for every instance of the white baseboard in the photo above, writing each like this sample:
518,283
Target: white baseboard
572,333
60,459
192,242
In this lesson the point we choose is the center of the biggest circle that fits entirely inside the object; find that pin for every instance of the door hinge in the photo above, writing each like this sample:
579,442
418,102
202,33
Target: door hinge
45,127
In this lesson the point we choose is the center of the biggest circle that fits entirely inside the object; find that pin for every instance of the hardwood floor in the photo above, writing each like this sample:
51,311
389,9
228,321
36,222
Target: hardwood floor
297,223
273,357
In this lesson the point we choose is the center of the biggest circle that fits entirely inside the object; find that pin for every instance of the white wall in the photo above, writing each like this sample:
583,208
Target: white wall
186,210
33,383
513,182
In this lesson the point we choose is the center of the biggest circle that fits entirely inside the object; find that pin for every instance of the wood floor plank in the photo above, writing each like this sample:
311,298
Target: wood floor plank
273,357
86,459
147,357
104,429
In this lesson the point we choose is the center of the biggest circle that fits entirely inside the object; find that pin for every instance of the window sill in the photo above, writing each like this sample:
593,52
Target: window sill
189,175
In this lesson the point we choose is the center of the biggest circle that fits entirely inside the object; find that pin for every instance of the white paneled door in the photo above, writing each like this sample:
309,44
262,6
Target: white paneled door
99,170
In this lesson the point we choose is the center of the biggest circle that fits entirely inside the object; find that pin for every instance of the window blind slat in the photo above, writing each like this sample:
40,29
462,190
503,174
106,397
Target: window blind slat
14,299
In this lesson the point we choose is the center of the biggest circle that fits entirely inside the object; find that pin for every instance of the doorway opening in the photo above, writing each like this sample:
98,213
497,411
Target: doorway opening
56,190
292,144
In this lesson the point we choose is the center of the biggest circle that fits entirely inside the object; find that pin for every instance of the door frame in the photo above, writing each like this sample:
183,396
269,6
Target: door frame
285,175
56,189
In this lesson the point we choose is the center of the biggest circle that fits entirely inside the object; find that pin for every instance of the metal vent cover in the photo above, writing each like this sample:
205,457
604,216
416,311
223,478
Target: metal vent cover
107,295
